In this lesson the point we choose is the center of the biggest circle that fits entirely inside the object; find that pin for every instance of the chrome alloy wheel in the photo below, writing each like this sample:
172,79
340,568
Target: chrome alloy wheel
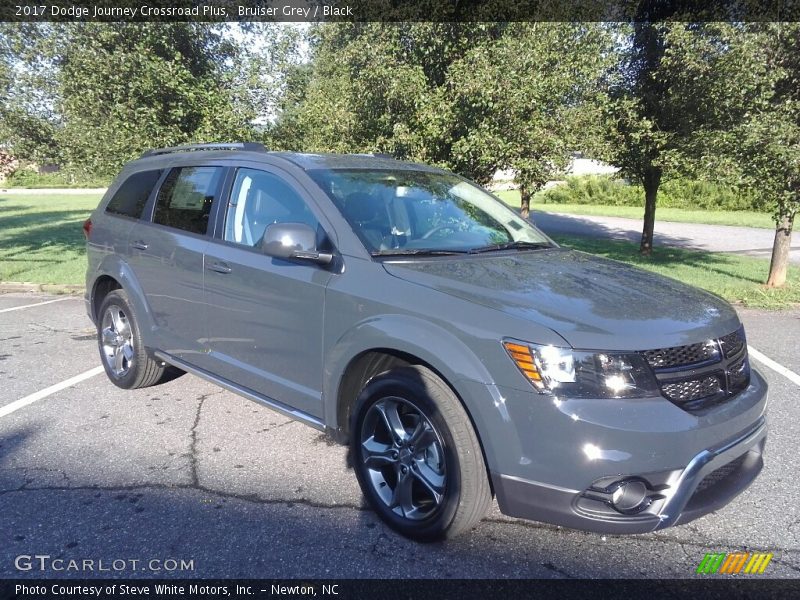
116,340
404,458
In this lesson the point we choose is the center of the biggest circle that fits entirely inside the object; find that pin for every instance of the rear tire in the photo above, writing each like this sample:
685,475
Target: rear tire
128,364
417,457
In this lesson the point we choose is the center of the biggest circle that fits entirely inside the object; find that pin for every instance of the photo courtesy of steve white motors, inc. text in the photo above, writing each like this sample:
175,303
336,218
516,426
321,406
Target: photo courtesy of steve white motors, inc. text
234,11
171,589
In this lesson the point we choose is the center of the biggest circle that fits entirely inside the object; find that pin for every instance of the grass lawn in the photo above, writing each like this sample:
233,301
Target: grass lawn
736,278
681,215
41,240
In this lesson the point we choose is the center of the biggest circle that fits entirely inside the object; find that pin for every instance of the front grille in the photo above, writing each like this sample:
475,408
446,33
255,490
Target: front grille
720,474
667,358
697,376
692,389
732,343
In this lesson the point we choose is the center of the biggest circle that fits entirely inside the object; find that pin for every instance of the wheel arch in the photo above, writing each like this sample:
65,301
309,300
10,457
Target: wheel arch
358,373
358,357
101,288
115,273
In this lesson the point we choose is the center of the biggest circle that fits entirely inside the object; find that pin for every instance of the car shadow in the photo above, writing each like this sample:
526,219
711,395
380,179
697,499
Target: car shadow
70,514
585,226
668,251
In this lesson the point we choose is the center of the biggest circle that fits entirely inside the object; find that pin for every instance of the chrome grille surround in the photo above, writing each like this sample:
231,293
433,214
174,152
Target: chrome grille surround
698,376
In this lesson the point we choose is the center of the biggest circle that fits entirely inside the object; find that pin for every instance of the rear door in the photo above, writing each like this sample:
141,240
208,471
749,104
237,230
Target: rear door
166,256
126,205
266,314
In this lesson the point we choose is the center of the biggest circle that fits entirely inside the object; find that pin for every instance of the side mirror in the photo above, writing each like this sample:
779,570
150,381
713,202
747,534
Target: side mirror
293,241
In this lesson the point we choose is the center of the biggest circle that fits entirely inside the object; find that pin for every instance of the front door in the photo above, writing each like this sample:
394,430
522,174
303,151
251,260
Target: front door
266,314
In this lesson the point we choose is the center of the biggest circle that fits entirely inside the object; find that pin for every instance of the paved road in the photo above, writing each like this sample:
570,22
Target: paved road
714,238
187,471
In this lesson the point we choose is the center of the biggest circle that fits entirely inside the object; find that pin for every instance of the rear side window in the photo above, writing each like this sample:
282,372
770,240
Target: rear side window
132,195
185,198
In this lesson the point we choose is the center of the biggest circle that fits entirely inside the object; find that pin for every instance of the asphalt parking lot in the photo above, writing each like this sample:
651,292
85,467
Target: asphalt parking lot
190,473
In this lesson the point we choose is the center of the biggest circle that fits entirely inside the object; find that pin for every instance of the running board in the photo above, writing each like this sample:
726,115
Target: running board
279,407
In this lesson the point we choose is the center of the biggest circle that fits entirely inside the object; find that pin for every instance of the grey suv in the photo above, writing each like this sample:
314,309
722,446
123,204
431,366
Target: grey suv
460,352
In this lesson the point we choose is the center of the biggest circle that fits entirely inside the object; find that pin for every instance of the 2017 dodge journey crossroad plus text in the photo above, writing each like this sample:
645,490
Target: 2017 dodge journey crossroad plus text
460,352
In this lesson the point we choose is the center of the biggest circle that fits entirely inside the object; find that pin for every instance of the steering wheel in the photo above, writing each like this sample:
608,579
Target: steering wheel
436,229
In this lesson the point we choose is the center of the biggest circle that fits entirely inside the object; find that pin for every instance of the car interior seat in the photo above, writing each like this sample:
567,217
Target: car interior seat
369,215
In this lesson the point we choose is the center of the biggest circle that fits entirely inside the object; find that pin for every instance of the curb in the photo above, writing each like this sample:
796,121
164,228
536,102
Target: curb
7,287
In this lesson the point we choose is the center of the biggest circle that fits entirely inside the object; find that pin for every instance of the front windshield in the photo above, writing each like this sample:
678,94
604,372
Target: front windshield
419,212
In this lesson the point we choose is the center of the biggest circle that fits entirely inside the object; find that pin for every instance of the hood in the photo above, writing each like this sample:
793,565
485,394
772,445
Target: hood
593,303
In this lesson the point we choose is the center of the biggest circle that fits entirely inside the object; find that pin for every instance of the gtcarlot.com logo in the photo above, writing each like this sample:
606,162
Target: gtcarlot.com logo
45,562
735,563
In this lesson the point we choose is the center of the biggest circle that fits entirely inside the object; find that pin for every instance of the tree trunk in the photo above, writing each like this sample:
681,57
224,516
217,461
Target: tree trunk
780,252
652,179
525,201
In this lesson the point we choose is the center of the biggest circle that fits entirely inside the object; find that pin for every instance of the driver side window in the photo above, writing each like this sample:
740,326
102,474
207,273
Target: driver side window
259,199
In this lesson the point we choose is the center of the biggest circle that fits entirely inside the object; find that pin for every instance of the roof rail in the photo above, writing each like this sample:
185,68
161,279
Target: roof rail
248,146
376,154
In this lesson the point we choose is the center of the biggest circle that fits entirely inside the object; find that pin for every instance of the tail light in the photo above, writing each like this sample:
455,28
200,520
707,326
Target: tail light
87,228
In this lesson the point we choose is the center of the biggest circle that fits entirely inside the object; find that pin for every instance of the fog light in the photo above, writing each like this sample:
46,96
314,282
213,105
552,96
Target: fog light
630,496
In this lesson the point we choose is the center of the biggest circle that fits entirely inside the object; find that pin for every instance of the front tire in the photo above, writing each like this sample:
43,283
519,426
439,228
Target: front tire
127,362
417,457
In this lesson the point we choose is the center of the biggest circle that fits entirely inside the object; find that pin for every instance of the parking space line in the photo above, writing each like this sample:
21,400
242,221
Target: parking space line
4,310
777,367
23,402
36,396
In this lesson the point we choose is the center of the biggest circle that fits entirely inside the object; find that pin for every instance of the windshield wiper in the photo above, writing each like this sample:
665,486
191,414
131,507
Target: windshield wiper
418,252
511,246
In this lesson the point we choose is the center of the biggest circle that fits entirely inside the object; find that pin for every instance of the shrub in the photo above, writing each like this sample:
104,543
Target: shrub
592,189
8,164
28,178
676,193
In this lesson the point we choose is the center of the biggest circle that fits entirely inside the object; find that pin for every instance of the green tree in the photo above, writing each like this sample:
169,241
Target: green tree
770,144
28,94
127,87
94,95
374,87
644,124
745,81
525,100
268,55
471,97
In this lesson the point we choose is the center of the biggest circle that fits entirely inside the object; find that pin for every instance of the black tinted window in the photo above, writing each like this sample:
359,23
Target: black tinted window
185,198
133,194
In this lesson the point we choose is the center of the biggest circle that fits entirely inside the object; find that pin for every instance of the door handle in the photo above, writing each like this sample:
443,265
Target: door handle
219,267
139,245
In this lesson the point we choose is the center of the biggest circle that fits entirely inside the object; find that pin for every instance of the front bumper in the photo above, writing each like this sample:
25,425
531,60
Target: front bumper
710,481
559,460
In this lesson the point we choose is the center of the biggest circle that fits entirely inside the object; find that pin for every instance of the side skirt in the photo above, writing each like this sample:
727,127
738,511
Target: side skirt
270,403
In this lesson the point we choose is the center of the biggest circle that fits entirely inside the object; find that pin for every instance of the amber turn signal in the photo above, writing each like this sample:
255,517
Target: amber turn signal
523,358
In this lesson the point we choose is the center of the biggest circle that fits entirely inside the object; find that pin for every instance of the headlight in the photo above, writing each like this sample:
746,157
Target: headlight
578,374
